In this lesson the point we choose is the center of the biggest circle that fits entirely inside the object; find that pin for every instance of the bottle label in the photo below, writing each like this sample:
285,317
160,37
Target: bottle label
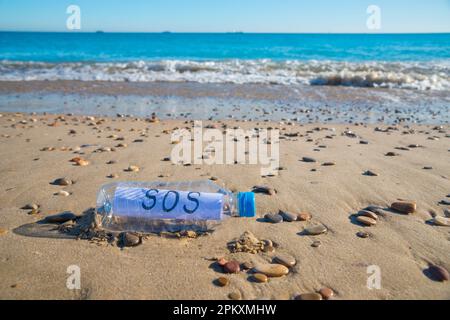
167,204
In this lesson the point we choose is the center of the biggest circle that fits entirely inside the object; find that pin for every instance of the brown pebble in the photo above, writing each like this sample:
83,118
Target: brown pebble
129,239
366,221
235,295
362,234
3,231
369,214
316,230
309,296
222,281
221,261
304,216
232,267
316,244
404,206
326,293
63,182
261,278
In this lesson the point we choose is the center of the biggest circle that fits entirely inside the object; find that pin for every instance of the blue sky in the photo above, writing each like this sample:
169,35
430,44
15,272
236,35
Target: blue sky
292,16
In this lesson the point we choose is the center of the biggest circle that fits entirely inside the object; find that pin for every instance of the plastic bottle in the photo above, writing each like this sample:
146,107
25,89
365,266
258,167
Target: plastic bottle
169,206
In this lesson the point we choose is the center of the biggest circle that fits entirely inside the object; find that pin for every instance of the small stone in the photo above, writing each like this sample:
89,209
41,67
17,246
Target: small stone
272,270
363,234
316,244
285,259
31,206
63,182
304,216
246,266
427,168
364,142
113,176
391,154
404,206
273,218
316,230
264,189
369,214
261,278
82,163
441,221
309,159
213,178
326,293
132,168
3,231
328,164
128,239
232,267
60,218
438,273
236,295
308,296
445,202
221,261
287,216
366,221
370,173
222,281
63,193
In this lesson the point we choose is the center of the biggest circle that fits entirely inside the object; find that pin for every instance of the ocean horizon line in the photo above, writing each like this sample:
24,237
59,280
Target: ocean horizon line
226,32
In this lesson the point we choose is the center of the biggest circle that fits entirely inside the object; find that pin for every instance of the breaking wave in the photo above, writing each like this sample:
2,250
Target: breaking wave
402,75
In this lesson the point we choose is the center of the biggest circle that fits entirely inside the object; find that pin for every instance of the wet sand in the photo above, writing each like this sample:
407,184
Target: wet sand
402,245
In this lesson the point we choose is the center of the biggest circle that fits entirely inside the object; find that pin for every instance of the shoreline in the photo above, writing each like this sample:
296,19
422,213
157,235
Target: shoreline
252,102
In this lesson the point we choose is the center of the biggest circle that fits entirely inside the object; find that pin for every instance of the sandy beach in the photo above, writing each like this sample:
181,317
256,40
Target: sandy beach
36,149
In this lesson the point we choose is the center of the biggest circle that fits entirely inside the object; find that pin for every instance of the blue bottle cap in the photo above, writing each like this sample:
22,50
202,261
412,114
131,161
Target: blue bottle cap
246,204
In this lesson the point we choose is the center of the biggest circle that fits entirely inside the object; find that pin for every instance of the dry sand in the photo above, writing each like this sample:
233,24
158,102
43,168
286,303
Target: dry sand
164,268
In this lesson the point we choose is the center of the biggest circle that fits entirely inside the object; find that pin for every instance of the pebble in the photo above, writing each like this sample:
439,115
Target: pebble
222,281
362,234
328,164
232,267
308,296
316,230
441,221
113,176
63,193
304,216
309,159
60,218
236,295
129,239
370,173
261,278
445,202
264,189
63,182
272,270
326,293
404,206
287,216
428,168
368,213
31,206
364,142
316,244
366,221
221,261
391,154
82,163
438,273
133,168
273,217
246,266
285,259
3,231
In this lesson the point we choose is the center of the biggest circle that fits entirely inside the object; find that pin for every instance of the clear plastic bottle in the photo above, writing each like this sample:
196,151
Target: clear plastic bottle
169,206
